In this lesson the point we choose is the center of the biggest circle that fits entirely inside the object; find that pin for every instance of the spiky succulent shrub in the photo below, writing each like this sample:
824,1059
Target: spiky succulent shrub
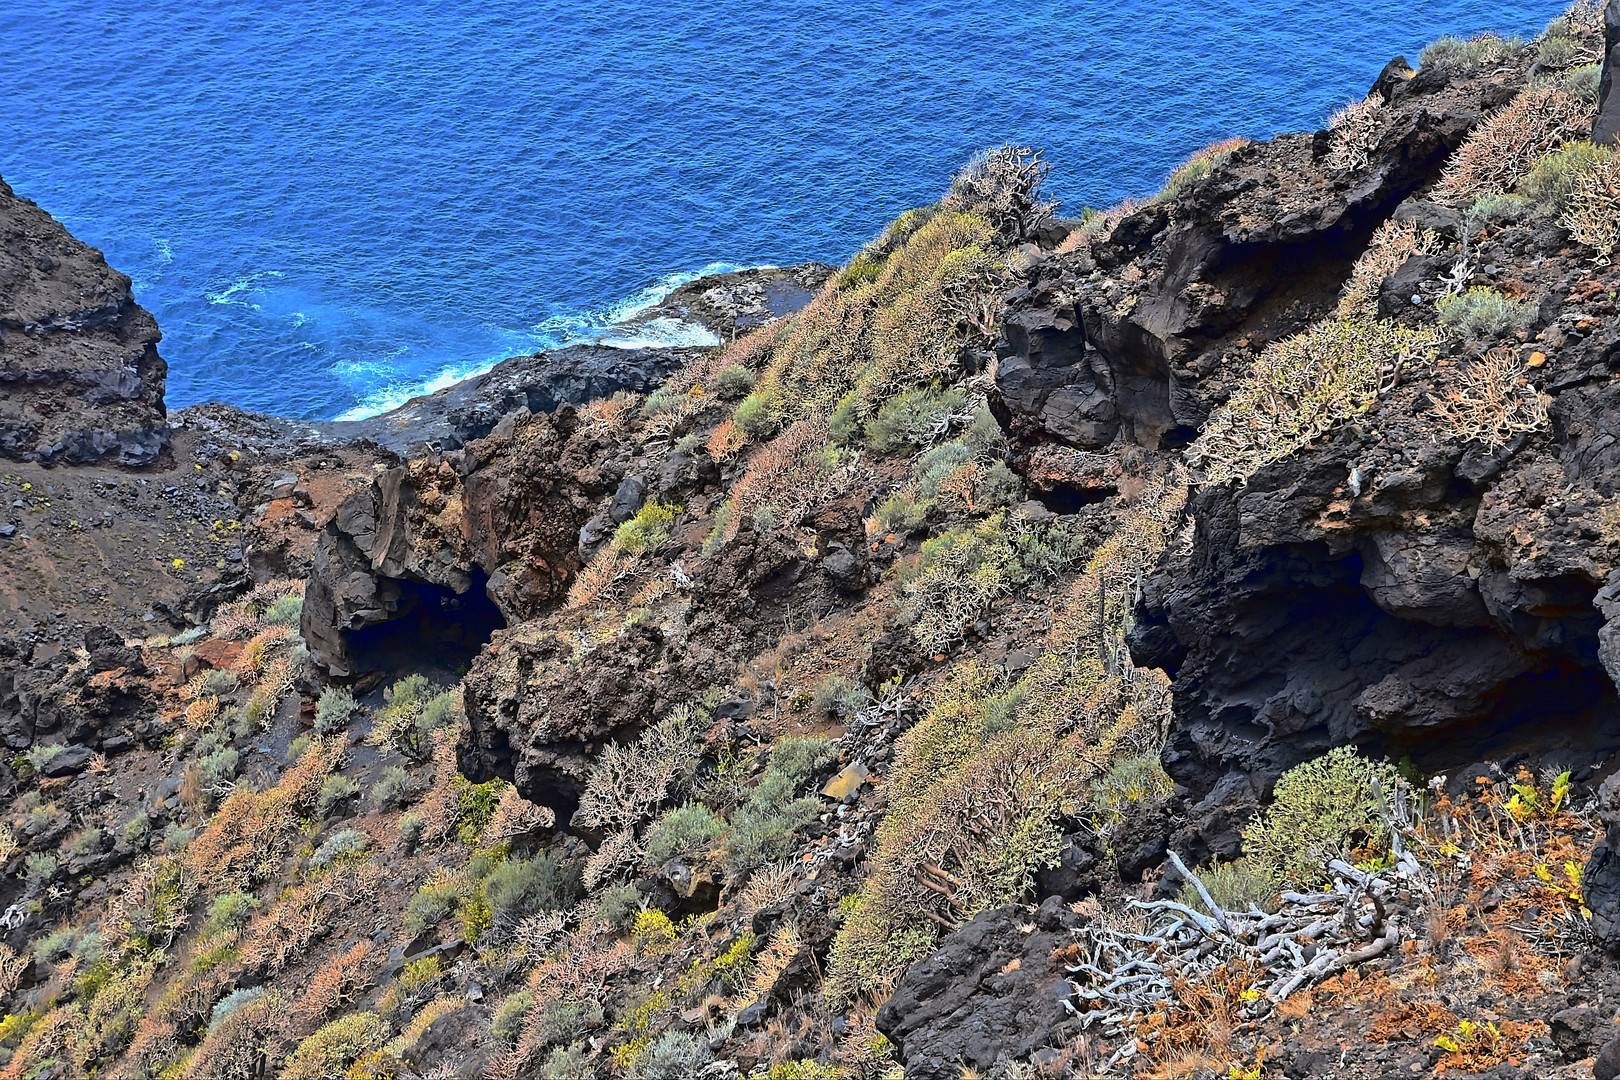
1320,810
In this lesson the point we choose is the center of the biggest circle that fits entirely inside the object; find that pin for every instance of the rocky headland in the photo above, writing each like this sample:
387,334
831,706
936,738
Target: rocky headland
1175,642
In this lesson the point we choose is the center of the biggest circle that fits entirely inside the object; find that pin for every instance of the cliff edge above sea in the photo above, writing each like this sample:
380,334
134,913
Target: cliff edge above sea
1175,641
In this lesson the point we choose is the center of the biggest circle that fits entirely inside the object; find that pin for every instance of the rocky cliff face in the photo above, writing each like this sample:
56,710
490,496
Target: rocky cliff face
1394,585
80,374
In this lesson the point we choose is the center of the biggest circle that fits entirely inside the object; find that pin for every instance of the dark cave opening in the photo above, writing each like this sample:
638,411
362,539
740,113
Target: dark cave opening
1070,499
434,629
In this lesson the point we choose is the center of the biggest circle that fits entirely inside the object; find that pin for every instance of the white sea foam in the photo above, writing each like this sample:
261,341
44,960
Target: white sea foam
234,293
603,326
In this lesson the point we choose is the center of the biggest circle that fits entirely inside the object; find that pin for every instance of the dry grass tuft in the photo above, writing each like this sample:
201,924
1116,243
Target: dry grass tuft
1492,402
1506,145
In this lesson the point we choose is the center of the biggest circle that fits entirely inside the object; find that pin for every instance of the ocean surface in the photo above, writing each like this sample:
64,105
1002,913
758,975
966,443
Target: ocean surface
330,207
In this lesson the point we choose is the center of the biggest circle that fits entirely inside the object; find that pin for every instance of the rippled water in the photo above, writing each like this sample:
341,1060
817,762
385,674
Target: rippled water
328,209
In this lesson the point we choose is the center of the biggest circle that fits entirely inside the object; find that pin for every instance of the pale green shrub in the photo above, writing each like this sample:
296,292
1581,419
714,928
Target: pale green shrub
1482,313
1323,809
690,831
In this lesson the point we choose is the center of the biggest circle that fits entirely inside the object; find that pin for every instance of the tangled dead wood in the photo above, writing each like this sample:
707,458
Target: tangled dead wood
1123,975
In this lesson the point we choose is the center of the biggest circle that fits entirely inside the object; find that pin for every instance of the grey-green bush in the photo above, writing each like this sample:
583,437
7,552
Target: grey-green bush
674,1055
733,383
285,611
916,418
334,790
340,845
220,683
619,904
392,789
176,837
520,887
689,831
1481,313
333,709
508,1021
230,910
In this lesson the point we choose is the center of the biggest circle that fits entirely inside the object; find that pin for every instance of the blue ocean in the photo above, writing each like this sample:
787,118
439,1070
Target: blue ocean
331,207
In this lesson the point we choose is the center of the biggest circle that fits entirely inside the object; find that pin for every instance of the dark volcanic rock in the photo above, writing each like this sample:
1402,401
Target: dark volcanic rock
1255,250
80,375
991,994
728,305
450,418
1606,129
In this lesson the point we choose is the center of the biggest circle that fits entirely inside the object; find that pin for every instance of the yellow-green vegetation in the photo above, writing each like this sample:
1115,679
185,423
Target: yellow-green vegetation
1299,388
333,1048
412,711
1197,167
977,786
1235,886
956,576
648,529
1323,809
898,317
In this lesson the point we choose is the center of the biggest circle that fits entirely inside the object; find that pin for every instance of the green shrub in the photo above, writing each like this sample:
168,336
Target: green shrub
1481,51
285,611
39,868
733,382
1320,810
1556,51
220,683
619,904
753,417
674,1055
332,1049
689,831
1553,178
762,830
333,709
441,711
1482,313
218,769
334,790
411,827
1499,209
572,1062
392,789
956,576
844,426
228,911
648,530
840,696
933,466
916,418
1584,82
659,402
431,905
341,845
296,748
41,757
508,1022
1299,389
231,1002
137,829
84,843
803,1069
520,887
1234,886
900,515
176,837
55,946
999,488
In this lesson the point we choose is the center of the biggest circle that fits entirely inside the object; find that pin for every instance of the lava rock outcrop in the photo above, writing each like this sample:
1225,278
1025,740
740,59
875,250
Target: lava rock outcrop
80,375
